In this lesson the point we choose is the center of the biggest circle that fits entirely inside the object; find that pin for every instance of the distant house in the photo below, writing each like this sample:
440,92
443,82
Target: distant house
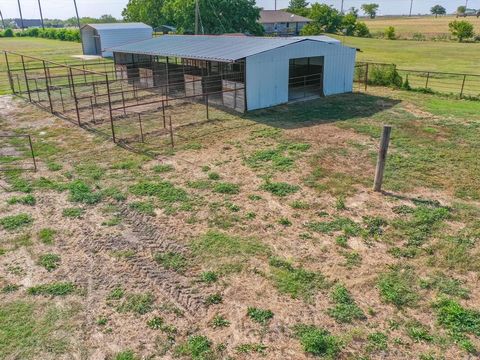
26,23
281,22
98,37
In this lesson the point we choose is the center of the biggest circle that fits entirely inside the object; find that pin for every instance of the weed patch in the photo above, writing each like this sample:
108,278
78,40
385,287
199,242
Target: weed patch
279,188
143,207
53,289
171,261
345,309
137,303
24,200
418,332
226,188
397,286
446,285
219,321
163,168
197,347
260,316
15,222
377,341
73,212
297,282
251,348
82,193
317,341
165,191
49,261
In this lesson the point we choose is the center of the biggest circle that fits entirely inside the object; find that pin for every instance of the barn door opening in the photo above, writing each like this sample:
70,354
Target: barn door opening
305,78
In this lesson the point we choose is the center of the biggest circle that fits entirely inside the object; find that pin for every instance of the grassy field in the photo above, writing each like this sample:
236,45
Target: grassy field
429,26
257,236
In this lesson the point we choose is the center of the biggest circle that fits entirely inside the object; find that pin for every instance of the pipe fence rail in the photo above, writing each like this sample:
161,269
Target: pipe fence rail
16,153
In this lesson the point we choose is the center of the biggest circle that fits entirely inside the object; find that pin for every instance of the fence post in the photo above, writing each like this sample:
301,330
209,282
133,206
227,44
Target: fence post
206,104
33,153
366,78
141,128
163,112
47,86
26,79
428,78
382,156
74,96
110,108
10,80
171,130
463,85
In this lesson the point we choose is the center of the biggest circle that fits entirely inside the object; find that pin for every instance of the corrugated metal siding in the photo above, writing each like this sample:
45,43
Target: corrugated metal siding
115,37
267,73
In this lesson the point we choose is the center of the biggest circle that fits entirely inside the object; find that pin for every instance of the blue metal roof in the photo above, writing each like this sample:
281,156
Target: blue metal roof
222,48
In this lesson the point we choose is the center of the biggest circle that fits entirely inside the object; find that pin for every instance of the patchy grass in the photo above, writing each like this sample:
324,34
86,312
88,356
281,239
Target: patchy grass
317,341
249,348
49,261
279,188
260,316
73,212
172,261
297,282
24,200
377,341
445,285
397,286
15,222
32,331
47,235
163,168
197,347
82,193
345,309
53,289
137,303
143,207
226,188
165,191
219,321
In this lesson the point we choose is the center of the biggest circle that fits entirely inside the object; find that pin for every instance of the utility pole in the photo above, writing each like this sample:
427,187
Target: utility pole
76,12
3,21
20,10
275,4
41,15
341,8
411,7
197,13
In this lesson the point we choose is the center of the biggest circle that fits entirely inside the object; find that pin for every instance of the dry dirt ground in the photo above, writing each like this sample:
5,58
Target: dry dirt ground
142,244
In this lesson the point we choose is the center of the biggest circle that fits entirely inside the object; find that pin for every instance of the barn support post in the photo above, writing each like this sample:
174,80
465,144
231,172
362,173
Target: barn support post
47,86
26,79
10,80
382,156
463,85
74,94
110,107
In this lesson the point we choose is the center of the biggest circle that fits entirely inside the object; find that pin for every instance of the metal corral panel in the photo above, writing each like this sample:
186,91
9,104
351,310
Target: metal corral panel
212,47
267,73
111,35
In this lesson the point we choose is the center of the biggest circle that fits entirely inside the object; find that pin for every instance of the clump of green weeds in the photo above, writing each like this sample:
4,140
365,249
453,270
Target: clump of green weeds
197,347
46,235
143,207
213,299
137,303
397,286
317,341
345,309
418,332
163,168
82,193
295,281
49,261
261,316
208,277
214,175
171,261
24,200
248,348
126,355
446,285
163,190
219,321
280,189
14,222
226,188
73,212
377,341
53,289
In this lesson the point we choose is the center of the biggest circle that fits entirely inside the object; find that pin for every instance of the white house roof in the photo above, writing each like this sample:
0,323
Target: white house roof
113,26
213,47
279,16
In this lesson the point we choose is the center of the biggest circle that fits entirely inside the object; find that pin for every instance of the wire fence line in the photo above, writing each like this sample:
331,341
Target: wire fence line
460,85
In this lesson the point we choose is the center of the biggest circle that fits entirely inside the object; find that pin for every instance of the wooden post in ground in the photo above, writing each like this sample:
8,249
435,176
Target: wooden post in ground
382,156
366,78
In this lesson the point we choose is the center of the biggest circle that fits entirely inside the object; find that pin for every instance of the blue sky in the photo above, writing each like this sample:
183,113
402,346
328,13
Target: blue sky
65,9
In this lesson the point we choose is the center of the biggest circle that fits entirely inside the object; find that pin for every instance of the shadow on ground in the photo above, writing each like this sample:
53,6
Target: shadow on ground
322,111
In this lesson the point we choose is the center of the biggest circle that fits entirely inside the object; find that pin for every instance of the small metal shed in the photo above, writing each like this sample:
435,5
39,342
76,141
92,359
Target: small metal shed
266,71
98,37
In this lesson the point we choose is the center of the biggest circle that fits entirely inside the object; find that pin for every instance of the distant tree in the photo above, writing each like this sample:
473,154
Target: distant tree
461,30
147,11
325,19
370,10
390,33
8,33
354,11
217,16
299,7
461,9
349,24
438,10
107,19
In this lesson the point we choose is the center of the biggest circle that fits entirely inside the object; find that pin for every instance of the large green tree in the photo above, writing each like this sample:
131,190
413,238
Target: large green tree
147,11
325,19
299,7
216,16
438,10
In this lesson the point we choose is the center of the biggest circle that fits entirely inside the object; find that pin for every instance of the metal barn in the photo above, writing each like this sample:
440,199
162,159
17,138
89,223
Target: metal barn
239,72
96,38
